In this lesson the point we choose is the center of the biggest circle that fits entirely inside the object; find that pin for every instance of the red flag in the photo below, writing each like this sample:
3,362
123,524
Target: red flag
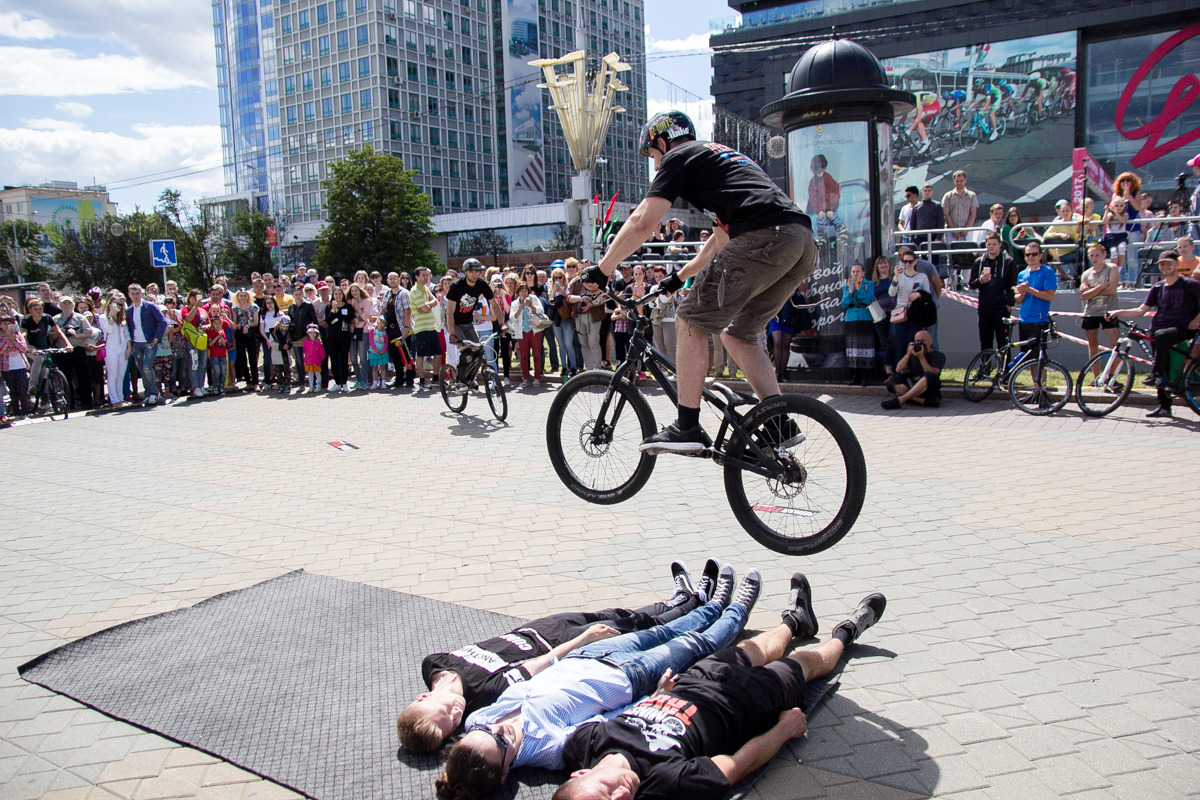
611,203
272,236
596,203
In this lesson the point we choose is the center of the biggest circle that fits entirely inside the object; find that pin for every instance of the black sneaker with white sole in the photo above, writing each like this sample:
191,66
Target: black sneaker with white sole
708,579
747,593
682,578
723,591
869,611
671,439
799,615
780,431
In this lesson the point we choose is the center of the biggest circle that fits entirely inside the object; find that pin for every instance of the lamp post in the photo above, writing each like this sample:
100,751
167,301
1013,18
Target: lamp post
585,107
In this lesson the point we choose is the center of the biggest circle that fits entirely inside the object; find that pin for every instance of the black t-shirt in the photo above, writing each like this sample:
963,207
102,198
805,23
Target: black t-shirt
340,321
489,667
935,358
1175,304
719,179
38,333
465,298
669,740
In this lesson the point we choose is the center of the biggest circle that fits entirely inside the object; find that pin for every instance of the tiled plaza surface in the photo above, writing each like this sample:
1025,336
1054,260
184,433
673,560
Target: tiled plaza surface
1042,636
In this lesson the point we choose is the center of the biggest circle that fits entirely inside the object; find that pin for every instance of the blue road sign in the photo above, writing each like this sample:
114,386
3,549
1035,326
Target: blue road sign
162,252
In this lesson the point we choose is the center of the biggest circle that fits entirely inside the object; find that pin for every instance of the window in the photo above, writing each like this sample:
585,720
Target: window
464,26
267,22
368,130
360,6
314,170
323,45
448,52
297,204
429,15
285,23
393,98
449,79
327,107
455,198
474,201
330,138
448,20
471,170
451,110
410,40
487,172
289,84
434,136
466,55
306,49
394,130
410,9
364,35
310,111
487,144
435,165
414,104
486,118
289,54
452,139
307,81
468,84
431,76
469,112
454,168
433,106
470,143
414,133
364,67
437,196
314,202
389,34
339,8
291,115
347,135
347,103
302,20
412,71
293,174
343,71
343,40
326,76
364,99
322,14
392,66
293,144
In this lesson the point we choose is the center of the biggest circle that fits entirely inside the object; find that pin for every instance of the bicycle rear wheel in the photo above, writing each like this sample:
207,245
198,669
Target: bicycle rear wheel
598,458
982,376
1045,395
818,498
454,394
1191,386
1103,394
494,388
969,135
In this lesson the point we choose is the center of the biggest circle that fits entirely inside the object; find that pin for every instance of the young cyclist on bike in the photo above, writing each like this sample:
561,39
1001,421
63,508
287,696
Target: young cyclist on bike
463,295
952,100
1035,91
928,106
988,99
761,249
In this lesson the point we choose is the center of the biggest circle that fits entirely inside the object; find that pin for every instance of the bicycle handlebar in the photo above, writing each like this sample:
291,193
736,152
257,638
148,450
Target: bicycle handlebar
55,350
631,303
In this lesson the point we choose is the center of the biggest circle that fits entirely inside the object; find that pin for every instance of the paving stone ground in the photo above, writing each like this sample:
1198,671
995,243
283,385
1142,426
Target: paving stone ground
1042,637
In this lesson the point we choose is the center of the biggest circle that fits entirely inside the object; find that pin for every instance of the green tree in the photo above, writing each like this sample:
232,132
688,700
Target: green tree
378,218
485,245
112,252
246,250
21,252
195,229
566,237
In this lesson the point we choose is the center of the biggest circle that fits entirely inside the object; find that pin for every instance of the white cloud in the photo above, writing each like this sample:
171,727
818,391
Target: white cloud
33,155
53,72
699,110
43,124
71,109
695,41
19,26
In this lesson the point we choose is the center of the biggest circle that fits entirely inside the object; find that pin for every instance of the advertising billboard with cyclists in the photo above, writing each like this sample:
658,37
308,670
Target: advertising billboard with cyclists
523,104
1003,112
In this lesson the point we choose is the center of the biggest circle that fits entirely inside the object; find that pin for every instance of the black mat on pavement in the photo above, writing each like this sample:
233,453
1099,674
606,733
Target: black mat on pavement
298,679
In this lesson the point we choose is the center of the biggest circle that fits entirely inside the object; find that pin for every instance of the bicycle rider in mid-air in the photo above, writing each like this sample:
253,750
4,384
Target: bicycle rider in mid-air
761,249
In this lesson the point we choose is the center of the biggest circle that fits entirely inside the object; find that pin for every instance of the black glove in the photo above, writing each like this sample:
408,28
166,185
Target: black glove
593,275
671,283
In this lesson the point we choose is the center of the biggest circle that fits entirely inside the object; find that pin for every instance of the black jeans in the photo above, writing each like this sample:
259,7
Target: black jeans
992,329
1164,340
246,361
339,357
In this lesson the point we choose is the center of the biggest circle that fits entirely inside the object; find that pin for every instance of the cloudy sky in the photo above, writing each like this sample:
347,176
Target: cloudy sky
123,92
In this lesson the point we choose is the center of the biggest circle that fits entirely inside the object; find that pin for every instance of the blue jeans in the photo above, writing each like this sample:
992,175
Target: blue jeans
220,368
644,655
564,333
144,354
197,366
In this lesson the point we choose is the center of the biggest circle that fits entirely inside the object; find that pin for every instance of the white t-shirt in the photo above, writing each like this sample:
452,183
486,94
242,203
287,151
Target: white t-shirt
135,313
906,216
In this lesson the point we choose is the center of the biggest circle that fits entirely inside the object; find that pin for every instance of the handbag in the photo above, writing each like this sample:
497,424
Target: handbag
195,337
899,314
101,352
540,322
877,312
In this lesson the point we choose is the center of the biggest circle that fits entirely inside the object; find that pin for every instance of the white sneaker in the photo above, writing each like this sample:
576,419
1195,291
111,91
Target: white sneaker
152,400
199,393
345,388
995,135
333,389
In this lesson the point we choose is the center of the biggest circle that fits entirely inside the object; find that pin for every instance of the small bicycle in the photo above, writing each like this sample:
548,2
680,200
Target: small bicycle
1106,380
473,368
795,475
53,392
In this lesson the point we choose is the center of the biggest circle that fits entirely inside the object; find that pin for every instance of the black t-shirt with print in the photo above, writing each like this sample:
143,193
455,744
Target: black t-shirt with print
340,321
465,298
716,178
669,740
38,333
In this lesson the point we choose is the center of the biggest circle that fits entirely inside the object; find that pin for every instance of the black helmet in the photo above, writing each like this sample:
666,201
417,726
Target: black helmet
670,125
472,263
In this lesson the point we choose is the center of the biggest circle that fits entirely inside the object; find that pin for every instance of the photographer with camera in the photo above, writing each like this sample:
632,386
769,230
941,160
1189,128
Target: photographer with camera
918,375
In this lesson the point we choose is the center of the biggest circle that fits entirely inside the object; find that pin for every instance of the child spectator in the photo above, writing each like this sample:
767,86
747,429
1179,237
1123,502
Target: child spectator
218,345
377,352
314,355
280,341
15,368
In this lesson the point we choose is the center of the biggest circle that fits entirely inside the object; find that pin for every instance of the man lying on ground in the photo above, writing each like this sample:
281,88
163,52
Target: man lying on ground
531,721
476,675
743,701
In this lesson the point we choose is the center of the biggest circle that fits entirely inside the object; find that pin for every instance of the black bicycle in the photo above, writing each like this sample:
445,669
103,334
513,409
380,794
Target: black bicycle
473,369
1036,385
795,475
1106,380
52,394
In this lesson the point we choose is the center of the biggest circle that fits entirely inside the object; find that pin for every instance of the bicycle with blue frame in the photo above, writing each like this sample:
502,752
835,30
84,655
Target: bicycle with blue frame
1036,384
795,475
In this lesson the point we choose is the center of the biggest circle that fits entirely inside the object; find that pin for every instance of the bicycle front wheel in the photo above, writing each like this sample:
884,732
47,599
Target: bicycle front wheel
494,388
817,498
1102,394
983,373
1039,389
58,391
454,394
596,455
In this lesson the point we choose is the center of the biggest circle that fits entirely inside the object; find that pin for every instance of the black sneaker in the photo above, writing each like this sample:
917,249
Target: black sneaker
670,439
708,579
867,614
1161,411
780,431
890,404
682,578
747,593
724,588
799,615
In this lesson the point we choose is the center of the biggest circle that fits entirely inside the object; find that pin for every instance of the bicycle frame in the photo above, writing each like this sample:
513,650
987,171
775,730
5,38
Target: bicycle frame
641,352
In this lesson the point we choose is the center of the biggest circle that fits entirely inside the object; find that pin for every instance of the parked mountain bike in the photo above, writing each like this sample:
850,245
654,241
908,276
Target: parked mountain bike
795,475
1035,385
991,368
51,390
1106,380
473,369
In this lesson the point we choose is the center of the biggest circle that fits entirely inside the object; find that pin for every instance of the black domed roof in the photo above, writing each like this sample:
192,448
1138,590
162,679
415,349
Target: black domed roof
837,64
